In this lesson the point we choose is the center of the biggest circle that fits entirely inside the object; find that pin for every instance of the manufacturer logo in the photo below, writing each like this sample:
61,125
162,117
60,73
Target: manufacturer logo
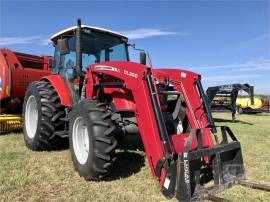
115,69
108,68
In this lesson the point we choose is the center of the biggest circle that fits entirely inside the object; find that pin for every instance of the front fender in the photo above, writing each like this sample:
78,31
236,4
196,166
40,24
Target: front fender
61,88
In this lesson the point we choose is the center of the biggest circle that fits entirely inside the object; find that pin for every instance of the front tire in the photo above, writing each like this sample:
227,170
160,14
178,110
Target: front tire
92,140
42,117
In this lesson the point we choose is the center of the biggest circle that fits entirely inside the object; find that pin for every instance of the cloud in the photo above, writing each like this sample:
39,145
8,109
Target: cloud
131,34
258,38
7,41
148,32
44,42
261,64
17,40
232,77
255,72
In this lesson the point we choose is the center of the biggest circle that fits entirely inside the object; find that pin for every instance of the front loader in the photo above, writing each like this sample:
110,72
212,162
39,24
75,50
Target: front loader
97,94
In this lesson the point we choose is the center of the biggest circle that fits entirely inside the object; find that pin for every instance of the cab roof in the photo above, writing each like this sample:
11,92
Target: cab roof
70,30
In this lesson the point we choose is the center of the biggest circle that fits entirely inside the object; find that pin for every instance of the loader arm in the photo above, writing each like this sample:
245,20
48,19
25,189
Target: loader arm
198,114
138,80
133,77
178,160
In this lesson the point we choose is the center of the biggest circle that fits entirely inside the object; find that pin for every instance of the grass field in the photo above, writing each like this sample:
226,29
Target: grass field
49,176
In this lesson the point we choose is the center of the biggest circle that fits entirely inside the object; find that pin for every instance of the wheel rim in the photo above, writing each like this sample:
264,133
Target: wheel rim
80,140
31,117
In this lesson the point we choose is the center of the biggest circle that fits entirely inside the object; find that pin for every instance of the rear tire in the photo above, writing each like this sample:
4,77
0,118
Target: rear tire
92,139
42,113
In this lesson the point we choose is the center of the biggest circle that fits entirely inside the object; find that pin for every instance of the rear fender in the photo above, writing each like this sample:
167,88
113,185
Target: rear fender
62,89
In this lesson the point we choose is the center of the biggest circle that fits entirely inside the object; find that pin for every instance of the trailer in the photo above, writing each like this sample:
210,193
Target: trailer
223,98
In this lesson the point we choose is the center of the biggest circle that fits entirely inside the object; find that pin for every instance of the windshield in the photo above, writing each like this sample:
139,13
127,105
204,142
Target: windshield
96,47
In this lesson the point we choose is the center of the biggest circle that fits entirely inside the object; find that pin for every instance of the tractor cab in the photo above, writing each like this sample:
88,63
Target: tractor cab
96,45
80,46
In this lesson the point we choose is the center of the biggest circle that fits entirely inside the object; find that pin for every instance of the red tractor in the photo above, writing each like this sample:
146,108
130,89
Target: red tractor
17,71
96,94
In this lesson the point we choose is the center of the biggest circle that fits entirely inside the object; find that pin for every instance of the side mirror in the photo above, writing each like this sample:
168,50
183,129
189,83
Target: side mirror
143,58
62,45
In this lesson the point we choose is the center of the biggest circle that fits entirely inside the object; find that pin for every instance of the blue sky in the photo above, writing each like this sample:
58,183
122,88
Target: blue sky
225,41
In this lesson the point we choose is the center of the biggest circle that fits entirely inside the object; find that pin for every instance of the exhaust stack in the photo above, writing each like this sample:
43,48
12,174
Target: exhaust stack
79,49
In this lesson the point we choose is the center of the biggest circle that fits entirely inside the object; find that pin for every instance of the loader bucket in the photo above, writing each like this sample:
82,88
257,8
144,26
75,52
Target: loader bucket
191,178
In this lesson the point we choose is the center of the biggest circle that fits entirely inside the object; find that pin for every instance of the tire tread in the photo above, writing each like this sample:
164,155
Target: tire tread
51,112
